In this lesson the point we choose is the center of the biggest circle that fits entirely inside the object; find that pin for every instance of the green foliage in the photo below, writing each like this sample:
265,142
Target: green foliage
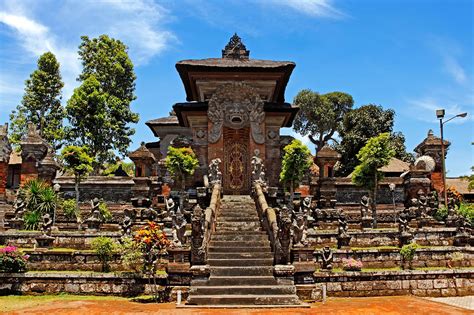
39,198
70,209
41,104
181,162
296,163
467,211
76,160
105,212
104,247
375,154
361,124
99,110
441,213
12,260
32,220
111,168
408,251
320,116
130,252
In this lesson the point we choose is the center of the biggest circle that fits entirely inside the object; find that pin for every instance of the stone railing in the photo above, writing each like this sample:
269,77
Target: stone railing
204,224
268,218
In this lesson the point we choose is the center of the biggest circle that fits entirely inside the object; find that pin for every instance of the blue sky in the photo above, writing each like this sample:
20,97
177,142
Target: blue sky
413,56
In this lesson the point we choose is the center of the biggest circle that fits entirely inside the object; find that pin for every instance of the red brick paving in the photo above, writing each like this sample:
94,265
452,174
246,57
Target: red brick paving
367,306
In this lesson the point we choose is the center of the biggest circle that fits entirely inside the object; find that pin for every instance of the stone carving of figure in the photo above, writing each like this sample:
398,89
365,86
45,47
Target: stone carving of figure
215,176
423,204
433,200
284,234
327,257
258,169
452,216
403,219
305,206
170,206
299,230
257,116
95,204
47,224
413,209
179,230
343,226
364,206
126,226
149,214
19,207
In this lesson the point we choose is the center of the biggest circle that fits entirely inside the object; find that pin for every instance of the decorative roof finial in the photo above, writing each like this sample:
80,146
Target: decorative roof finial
235,49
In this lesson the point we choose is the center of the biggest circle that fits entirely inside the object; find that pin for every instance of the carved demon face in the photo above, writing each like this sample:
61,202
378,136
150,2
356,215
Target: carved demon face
236,115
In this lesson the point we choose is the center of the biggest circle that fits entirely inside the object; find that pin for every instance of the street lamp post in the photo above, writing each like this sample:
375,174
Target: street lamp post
440,115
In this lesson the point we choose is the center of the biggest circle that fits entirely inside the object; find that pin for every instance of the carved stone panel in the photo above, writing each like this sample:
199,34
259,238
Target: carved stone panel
236,161
236,106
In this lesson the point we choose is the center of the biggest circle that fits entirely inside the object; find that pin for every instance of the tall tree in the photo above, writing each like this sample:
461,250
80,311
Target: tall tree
108,86
361,124
296,163
41,103
320,116
375,154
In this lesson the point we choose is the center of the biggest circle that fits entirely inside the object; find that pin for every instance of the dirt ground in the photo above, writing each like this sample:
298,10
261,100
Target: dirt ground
380,305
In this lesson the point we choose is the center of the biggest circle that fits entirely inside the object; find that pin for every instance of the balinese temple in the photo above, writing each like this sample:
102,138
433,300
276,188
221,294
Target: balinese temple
234,109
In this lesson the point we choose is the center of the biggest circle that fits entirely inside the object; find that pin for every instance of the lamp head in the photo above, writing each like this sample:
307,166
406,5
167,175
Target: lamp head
440,113
462,115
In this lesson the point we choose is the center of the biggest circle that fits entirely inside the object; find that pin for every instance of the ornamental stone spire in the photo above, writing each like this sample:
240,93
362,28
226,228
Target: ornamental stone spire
235,49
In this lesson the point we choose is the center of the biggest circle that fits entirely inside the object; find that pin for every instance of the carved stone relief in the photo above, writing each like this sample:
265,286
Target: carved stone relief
236,106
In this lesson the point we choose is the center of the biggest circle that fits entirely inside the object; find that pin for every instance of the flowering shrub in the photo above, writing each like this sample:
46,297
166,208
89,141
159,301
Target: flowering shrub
12,260
152,242
351,264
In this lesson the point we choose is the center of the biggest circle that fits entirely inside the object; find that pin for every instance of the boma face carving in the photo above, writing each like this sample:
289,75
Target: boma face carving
236,115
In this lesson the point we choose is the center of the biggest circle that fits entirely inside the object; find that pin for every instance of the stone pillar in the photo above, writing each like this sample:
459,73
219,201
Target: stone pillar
33,151
48,167
5,151
325,159
144,161
431,146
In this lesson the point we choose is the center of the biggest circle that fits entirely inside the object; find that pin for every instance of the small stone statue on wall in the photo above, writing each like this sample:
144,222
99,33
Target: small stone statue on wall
403,219
215,176
452,216
179,230
19,207
365,214
343,238
95,203
327,258
126,225
170,206
258,169
284,235
197,235
305,206
299,230
47,224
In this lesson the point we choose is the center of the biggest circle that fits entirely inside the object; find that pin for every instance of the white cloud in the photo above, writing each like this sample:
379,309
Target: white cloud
424,108
317,8
453,67
36,29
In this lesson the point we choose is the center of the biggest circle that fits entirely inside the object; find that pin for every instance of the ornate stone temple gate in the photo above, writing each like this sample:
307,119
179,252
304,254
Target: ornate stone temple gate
235,106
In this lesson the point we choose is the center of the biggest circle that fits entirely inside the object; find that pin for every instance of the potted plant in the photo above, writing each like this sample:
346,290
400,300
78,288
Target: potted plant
407,253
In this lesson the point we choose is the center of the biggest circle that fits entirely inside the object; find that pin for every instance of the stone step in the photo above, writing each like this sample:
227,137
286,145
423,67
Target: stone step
242,271
240,243
232,229
237,219
232,232
239,255
239,237
237,224
239,249
240,280
243,299
255,262
243,290
239,213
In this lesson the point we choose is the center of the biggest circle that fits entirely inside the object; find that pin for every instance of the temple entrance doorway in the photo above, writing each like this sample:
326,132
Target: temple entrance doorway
236,161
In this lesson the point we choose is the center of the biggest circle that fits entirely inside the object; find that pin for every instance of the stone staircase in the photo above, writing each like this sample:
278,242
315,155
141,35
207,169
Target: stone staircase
241,263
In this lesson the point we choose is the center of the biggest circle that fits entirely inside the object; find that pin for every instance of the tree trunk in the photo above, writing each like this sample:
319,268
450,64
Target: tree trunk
76,188
374,201
291,193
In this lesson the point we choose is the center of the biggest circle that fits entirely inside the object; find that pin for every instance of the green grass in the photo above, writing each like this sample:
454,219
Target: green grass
16,302
336,270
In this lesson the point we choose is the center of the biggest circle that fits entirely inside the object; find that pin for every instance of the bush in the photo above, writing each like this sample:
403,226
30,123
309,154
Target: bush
105,212
152,242
32,220
467,211
351,264
40,198
12,260
104,247
441,213
70,209
132,257
408,252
